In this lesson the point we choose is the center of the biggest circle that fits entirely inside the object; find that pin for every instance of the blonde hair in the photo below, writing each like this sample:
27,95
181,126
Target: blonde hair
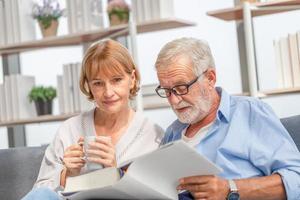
107,57
197,50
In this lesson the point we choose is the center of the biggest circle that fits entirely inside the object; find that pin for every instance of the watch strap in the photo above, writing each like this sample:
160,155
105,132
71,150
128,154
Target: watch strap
232,186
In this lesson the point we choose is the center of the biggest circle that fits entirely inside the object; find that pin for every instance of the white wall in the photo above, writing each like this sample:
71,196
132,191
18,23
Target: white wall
220,35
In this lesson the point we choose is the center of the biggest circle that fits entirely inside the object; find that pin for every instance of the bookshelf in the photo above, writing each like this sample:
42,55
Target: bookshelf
245,13
81,39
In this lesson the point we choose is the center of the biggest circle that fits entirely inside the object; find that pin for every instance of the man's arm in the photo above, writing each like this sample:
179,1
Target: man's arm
213,187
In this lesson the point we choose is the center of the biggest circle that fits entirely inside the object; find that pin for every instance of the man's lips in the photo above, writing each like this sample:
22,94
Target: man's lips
182,109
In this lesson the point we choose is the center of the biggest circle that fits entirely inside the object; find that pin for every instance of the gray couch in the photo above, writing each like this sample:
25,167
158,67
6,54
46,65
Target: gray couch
19,166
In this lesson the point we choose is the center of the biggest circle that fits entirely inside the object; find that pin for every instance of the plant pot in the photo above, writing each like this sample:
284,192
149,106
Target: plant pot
43,107
121,17
51,30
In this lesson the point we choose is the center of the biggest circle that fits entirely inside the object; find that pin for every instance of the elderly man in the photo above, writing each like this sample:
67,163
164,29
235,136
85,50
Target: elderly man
242,135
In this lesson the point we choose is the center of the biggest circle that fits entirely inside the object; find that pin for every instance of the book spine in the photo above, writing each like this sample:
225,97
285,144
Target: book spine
294,57
278,63
286,63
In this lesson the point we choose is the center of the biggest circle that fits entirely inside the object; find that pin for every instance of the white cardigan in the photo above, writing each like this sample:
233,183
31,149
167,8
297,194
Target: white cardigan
141,137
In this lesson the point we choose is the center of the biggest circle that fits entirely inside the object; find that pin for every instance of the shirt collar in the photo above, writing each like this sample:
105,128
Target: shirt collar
224,107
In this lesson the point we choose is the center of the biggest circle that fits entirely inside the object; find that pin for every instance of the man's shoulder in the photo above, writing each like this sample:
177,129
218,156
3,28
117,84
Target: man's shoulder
243,101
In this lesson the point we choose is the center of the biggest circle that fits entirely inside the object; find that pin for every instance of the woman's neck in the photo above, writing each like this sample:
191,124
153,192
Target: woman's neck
111,124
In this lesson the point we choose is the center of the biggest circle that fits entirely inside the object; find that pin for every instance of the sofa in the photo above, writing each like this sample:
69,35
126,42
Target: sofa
19,167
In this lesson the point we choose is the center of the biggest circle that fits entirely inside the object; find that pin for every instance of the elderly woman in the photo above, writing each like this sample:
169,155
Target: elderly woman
110,79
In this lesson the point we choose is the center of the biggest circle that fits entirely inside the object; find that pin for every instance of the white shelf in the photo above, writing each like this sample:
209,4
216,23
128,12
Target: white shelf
80,38
266,8
39,119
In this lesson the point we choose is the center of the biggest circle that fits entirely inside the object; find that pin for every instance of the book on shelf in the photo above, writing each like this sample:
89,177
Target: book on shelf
70,97
286,63
24,108
17,88
295,61
68,88
25,24
85,15
60,94
8,98
146,10
2,103
19,23
8,18
2,24
154,175
278,63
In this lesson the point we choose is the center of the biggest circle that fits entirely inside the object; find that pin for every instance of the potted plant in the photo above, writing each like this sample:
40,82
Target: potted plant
118,12
43,98
47,15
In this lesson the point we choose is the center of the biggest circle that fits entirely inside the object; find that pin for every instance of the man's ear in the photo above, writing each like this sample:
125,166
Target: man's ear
211,76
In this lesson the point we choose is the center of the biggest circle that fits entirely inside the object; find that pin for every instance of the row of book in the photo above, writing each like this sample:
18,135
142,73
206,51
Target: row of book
16,22
85,15
70,98
146,10
91,14
287,58
14,101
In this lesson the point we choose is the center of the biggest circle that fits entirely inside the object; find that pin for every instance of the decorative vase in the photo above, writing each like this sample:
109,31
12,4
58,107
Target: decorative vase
43,107
117,18
51,30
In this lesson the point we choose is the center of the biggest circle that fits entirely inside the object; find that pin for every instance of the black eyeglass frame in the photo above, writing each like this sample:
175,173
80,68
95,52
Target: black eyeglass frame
172,90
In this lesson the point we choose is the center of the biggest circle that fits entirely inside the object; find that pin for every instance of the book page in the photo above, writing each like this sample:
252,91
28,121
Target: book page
162,169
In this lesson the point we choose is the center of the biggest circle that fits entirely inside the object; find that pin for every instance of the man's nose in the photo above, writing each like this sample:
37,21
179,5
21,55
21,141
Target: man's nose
174,99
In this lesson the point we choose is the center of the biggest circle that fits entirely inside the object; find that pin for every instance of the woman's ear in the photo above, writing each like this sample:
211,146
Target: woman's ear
133,79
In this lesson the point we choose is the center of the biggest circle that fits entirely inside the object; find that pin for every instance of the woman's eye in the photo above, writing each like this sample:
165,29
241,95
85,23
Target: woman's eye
117,80
98,83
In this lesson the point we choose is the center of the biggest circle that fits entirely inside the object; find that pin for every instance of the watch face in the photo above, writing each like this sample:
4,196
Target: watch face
234,196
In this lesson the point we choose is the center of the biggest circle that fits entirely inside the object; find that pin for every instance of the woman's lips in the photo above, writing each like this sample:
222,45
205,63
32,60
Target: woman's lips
110,102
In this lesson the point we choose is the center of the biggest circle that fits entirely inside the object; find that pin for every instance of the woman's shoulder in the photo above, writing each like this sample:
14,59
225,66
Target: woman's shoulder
148,126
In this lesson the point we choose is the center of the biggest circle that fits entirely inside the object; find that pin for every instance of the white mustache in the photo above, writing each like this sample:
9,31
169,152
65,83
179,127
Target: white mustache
182,104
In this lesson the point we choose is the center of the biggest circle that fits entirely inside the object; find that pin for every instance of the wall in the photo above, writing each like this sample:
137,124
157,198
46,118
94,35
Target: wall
220,35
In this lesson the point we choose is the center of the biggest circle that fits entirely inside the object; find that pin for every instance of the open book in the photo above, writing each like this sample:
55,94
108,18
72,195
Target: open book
154,175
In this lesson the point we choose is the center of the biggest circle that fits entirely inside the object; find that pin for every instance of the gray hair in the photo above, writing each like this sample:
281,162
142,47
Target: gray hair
197,50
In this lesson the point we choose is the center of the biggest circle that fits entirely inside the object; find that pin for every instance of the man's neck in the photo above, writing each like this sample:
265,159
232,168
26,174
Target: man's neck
209,118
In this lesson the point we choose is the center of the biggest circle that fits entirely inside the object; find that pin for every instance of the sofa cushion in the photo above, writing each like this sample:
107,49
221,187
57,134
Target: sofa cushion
292,125
19,168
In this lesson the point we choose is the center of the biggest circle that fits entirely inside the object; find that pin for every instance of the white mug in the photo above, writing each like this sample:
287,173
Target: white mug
91,166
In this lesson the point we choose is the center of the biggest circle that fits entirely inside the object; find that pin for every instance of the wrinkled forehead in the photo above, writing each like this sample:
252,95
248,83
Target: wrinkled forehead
176,72
104,68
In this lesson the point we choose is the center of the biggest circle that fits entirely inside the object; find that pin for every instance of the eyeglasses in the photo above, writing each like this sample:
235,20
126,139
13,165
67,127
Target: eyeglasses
178,90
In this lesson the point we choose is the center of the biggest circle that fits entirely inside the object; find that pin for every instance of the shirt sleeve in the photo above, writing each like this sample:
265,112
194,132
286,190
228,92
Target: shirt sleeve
51,166
273,150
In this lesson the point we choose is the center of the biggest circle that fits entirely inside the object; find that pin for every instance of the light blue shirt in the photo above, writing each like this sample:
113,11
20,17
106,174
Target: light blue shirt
248,140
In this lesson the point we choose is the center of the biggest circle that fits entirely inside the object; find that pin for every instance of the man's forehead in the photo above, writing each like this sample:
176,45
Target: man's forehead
169,78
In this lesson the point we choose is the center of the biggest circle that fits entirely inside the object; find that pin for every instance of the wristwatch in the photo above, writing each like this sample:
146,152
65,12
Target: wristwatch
234,193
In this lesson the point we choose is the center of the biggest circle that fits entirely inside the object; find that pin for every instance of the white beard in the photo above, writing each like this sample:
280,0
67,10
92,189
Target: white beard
195,112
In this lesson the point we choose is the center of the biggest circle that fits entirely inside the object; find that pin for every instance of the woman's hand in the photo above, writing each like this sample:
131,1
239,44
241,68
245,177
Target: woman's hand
73,158
102,151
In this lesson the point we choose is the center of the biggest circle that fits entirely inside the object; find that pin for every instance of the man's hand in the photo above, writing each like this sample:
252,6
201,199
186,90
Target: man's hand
205,187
